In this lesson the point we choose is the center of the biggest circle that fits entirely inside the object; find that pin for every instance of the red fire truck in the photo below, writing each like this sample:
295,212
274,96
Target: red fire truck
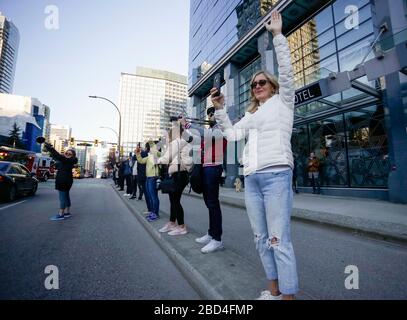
41,165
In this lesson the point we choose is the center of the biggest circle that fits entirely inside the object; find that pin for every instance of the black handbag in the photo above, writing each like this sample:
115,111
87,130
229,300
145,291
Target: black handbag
170,184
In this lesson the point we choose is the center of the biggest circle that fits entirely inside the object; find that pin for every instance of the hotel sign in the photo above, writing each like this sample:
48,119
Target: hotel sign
308,94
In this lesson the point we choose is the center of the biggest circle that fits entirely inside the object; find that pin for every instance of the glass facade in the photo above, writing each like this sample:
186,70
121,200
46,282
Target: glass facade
215,26
9,42
352,144
352,148
147,100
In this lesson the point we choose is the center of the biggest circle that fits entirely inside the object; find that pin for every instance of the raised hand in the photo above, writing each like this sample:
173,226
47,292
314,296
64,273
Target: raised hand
218,101
275,24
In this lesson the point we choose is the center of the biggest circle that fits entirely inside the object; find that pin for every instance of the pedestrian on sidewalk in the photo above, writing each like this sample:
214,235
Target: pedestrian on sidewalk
268,164
213,146
127,174
63,180
121,175
141,174
152,173
134,176
313,173
178,157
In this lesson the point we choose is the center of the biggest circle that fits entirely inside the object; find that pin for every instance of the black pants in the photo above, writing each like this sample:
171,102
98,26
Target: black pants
134,184
141,182
177,212
211,178
121,182
129,188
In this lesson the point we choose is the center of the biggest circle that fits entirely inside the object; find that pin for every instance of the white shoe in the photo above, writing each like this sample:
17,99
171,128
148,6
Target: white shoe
169,226
178,231
266,295
204,240
213,246
127,195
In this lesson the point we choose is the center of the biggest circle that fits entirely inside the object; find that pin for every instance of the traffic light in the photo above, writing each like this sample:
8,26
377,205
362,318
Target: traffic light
72,141
96,142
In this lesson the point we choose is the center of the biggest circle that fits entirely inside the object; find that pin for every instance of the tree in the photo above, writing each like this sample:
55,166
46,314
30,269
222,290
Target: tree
14,137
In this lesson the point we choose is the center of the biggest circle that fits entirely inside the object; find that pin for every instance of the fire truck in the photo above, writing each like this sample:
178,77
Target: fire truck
42,165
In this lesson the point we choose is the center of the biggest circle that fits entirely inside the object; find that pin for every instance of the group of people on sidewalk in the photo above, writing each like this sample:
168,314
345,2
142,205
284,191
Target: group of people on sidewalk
267,167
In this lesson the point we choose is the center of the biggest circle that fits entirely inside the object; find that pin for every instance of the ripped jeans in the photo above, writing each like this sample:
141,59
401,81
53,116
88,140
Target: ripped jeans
269,202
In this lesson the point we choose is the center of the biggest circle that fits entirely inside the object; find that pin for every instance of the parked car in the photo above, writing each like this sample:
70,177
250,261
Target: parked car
16,180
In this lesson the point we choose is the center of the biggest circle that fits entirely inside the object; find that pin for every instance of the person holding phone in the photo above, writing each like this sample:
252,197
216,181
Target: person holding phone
63,180
268,164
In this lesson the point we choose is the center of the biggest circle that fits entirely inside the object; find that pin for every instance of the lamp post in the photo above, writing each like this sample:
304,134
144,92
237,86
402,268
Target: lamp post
120,119
117,135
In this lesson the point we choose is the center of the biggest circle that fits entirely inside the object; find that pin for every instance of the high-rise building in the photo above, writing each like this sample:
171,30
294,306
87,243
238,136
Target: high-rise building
350,104
60,136
147,100
9,41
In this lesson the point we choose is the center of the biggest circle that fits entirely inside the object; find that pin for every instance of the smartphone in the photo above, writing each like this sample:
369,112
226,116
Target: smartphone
216,84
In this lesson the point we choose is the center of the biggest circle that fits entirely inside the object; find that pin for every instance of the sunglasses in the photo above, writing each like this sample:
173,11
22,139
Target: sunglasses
68,154
262,83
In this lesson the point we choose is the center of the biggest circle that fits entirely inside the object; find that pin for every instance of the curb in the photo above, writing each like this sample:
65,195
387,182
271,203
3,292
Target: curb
386,230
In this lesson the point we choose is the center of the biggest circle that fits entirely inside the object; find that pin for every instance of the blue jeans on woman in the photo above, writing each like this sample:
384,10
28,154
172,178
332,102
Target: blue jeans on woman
153,202
64,199
269,202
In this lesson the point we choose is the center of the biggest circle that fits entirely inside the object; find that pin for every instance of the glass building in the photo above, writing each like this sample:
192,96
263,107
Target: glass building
350,77
9,41
147,100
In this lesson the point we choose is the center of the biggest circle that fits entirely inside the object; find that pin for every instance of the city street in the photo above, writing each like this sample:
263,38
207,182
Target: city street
101,252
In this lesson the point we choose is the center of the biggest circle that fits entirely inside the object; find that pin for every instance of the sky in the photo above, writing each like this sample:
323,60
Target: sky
95,41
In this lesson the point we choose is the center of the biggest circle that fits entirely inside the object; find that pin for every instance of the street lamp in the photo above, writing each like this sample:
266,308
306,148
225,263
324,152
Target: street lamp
120,119
117,135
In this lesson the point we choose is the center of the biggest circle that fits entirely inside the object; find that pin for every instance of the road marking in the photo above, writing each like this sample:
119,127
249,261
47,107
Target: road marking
11,205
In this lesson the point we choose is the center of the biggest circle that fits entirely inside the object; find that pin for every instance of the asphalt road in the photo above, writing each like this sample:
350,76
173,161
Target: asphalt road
322,254
102,252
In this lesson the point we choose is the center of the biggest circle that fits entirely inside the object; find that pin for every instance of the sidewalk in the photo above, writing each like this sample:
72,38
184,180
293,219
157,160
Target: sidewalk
235,273
374,217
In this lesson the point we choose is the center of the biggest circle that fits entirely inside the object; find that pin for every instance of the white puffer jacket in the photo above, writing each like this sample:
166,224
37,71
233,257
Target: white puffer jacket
269,129
179,151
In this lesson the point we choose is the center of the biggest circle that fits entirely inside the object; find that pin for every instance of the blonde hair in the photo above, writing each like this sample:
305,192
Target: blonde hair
254,103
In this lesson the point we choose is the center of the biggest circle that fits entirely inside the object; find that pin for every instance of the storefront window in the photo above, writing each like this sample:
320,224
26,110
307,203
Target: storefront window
369,163
300,147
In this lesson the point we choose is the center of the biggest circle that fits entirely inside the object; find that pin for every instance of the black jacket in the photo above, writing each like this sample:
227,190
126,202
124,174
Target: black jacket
64,178
141,168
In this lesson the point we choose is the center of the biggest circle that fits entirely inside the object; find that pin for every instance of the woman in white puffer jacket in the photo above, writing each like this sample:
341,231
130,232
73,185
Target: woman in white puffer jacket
268,164
178,157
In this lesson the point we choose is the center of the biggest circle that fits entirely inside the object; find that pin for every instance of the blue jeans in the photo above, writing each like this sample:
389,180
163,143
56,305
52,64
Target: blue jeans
269,202
64,199
211,179
153,202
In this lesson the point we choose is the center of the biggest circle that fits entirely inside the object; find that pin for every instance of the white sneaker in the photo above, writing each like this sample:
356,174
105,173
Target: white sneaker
178,231
213,246
204,240
169,226
266,295
127,195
